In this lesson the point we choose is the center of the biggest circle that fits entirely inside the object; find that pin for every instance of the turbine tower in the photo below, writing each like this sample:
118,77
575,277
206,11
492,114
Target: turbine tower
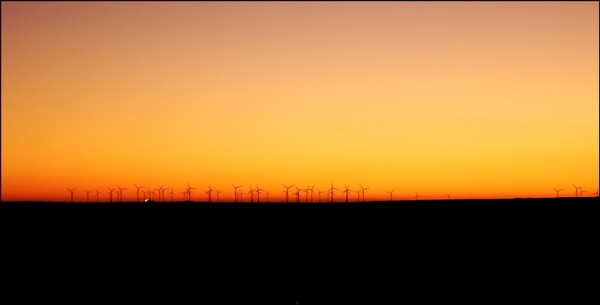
209,193
189,191
218,192
258,190
137,192
235,194
171,193
120,193
391,193
251,194
576,190
331,189
311,192
111,191
346,190
363,191
287,192
557,191
87,195
72,191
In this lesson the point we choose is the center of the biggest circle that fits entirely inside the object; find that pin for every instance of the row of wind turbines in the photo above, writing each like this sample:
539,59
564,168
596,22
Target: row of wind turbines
579,191
158,194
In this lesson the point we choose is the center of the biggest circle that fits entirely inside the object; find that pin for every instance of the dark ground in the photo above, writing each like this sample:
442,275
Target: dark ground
472,251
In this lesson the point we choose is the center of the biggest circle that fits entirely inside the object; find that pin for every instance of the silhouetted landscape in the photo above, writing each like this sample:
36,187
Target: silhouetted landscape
277,253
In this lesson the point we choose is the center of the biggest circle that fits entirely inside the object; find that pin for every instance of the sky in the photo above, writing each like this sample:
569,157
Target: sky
475,100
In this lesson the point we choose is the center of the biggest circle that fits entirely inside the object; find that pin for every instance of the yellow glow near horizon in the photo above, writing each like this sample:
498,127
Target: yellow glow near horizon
483,100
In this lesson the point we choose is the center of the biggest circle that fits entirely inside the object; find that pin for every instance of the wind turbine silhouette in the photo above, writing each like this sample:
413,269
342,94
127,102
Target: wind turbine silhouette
346,190
137,192
184,195
391,193
267,194
557,191
297,193
448,195
576,190
161,192
120,193
241,196
357,196
251,194
258,190
363,191
111,191
189,191
581,191
319,191
218,192
209,193
331,189
150,193
87,195
311,192
72,191
287,191
235,194
305,195
97,193
417,196
596,193
171,193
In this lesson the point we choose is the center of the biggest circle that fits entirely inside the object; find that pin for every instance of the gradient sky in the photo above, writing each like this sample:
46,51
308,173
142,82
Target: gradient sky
483,100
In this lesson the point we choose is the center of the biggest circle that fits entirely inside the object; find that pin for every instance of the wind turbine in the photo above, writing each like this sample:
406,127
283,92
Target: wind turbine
596,193
363,191
184,195
241,196
258,190
72,191
120,193
171,193
189,191
448,195
268,196
287,192
581,191
311,192
331,189
87,195
391,193
251,194
161,192
346,190
137,192
235,188
150,193
209,193
297,193
111,191
97,198
576,190
218,192
319,191
417,196
557,191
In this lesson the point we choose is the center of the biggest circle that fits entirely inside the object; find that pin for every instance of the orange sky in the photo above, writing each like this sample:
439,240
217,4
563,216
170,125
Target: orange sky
484,100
